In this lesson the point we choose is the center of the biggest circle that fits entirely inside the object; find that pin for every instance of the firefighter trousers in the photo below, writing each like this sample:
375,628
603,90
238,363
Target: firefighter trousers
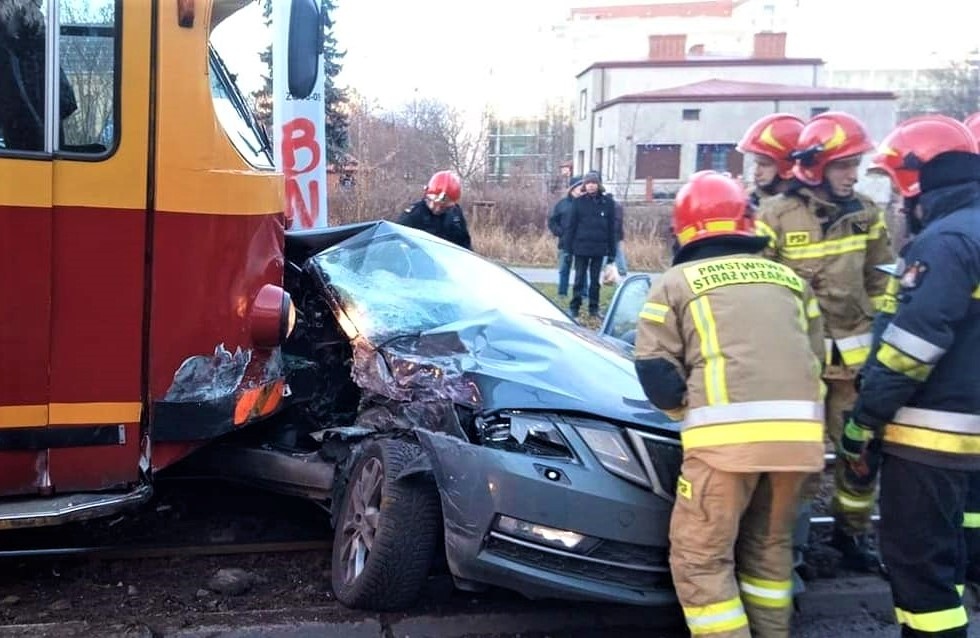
923,547
853,500
731,556
971,529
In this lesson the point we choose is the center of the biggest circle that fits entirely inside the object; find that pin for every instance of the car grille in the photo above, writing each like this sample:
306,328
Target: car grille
666,460
635,573
661,458
630,554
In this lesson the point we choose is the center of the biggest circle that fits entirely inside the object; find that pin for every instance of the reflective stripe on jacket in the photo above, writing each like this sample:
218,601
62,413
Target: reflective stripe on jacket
745,337
837,258
922,383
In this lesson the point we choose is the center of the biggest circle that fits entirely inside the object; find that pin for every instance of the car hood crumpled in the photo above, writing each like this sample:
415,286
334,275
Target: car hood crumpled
509,361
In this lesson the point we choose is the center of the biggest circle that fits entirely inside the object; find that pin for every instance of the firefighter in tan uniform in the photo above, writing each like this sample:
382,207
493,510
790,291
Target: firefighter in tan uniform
751,404
771,142
834,238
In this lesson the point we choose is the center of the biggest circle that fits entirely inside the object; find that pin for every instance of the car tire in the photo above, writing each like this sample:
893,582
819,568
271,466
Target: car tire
387,532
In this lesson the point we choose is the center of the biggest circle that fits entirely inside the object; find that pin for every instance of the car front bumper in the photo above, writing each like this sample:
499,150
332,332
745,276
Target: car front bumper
627,525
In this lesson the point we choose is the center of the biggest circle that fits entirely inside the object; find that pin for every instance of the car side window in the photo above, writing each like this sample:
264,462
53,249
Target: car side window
622,317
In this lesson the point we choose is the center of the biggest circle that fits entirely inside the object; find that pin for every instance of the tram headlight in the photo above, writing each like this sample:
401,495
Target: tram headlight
273,316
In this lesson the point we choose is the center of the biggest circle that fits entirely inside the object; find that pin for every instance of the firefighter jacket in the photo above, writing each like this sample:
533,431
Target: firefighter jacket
762,193
449,225
737,340
921,387
835,247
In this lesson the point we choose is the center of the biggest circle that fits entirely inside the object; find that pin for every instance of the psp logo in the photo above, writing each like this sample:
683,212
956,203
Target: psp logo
797,239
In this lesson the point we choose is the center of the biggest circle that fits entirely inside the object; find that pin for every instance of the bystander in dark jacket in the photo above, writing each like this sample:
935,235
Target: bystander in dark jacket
591,237
558,223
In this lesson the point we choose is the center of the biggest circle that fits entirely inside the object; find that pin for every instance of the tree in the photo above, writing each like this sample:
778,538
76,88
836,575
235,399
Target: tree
952,91
334,98
465,144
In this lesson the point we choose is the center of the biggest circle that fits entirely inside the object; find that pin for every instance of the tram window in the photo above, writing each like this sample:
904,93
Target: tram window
22,68
89,31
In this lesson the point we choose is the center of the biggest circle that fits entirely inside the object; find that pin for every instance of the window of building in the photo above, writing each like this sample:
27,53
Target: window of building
610,173
691,115
583,104
88,78
658,161
597,160
719,157
580,163
817,110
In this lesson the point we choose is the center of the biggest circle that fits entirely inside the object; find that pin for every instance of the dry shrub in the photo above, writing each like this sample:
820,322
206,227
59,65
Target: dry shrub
508,223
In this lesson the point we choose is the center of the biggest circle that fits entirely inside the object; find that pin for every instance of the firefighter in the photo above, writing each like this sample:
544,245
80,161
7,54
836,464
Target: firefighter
750,401
439,212
971,518
834,238
771,141
918,396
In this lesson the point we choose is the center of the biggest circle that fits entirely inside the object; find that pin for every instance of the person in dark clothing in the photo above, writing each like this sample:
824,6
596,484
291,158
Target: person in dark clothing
557,223
918,409
591,236
438,213
22,61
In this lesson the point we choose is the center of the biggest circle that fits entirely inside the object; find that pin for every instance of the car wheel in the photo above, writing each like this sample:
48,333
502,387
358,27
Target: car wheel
387,531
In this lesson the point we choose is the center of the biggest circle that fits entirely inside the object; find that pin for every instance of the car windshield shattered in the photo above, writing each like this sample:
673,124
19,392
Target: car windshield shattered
408,283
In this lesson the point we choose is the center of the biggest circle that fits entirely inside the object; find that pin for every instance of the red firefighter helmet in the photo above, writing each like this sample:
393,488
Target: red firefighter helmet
444,188
973,123
711,205
774,136
827,137
915,142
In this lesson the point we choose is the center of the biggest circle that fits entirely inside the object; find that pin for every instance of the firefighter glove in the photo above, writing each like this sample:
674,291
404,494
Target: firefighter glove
854,440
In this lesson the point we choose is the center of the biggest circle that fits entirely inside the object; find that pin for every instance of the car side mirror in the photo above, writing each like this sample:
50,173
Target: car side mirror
306,24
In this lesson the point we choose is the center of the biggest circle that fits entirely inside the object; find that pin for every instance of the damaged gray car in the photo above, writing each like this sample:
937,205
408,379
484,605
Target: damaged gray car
452,417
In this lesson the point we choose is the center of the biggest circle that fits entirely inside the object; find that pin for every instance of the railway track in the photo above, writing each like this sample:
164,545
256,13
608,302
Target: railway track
170,551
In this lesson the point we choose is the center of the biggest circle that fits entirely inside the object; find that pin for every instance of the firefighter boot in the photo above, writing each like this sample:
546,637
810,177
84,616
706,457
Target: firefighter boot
856,550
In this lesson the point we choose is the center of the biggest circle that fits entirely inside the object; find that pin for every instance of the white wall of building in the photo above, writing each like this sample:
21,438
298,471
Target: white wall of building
624,126
604,84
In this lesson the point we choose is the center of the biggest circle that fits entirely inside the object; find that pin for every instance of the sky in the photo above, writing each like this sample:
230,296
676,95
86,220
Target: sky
472,52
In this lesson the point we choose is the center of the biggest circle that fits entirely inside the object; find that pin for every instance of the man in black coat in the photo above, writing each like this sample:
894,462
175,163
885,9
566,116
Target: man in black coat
557,223
590,236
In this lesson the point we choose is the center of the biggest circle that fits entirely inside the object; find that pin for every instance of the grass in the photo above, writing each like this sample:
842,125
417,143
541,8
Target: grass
605,296
508,224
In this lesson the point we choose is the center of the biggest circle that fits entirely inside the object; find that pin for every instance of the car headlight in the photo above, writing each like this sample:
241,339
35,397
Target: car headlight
525,433
613,452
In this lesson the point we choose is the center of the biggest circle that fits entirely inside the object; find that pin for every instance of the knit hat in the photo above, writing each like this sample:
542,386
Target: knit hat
573,181
592,176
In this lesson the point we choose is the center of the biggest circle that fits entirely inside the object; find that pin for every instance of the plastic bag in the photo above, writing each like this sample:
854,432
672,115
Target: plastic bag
610,276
